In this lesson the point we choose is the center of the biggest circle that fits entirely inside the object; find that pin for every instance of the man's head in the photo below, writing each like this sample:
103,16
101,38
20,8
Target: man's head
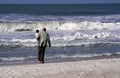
44,29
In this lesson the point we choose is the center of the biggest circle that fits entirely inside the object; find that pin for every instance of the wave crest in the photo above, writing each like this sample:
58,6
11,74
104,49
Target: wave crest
57,25
31,23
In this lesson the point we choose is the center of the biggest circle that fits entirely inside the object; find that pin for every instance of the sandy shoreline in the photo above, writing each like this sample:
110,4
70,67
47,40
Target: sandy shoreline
100,68
56,60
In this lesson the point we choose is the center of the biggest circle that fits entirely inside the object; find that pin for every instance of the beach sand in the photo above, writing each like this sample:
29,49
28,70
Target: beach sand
99,68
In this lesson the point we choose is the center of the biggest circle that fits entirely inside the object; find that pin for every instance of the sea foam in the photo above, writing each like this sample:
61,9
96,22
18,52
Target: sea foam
58,25
21,22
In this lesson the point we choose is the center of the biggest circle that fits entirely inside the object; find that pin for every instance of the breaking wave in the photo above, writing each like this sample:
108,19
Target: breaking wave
16,22
58,25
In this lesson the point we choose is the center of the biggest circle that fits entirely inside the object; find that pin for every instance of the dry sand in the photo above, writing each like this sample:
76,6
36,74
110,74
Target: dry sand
100,68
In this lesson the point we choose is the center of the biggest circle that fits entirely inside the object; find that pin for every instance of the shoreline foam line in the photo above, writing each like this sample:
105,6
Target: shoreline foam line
57,60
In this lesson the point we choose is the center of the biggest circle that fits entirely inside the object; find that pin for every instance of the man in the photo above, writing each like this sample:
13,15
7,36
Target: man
44,39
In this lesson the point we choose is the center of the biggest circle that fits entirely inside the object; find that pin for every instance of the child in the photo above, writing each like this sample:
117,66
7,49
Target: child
37,34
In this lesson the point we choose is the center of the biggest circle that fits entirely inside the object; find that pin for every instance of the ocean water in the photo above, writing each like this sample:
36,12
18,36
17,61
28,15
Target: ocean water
76,30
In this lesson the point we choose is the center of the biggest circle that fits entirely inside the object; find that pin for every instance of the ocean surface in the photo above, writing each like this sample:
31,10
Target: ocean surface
76,30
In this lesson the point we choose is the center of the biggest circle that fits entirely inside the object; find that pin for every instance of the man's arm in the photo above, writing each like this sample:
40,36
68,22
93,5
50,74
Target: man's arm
48,39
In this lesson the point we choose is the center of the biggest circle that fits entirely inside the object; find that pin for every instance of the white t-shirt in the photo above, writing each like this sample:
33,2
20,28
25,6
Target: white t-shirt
37,35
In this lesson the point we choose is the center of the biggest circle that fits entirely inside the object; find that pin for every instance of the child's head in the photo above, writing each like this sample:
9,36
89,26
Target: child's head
37,31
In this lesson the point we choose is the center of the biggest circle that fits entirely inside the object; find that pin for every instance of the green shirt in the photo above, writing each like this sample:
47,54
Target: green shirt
44,39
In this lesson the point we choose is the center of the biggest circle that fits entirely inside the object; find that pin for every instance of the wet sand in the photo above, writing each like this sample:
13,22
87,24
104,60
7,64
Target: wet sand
99,68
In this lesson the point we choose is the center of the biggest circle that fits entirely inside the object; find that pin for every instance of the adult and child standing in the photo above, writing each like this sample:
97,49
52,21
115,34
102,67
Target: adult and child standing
43,39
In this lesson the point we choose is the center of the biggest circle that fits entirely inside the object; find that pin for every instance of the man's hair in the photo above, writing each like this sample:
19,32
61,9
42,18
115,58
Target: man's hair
44,29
